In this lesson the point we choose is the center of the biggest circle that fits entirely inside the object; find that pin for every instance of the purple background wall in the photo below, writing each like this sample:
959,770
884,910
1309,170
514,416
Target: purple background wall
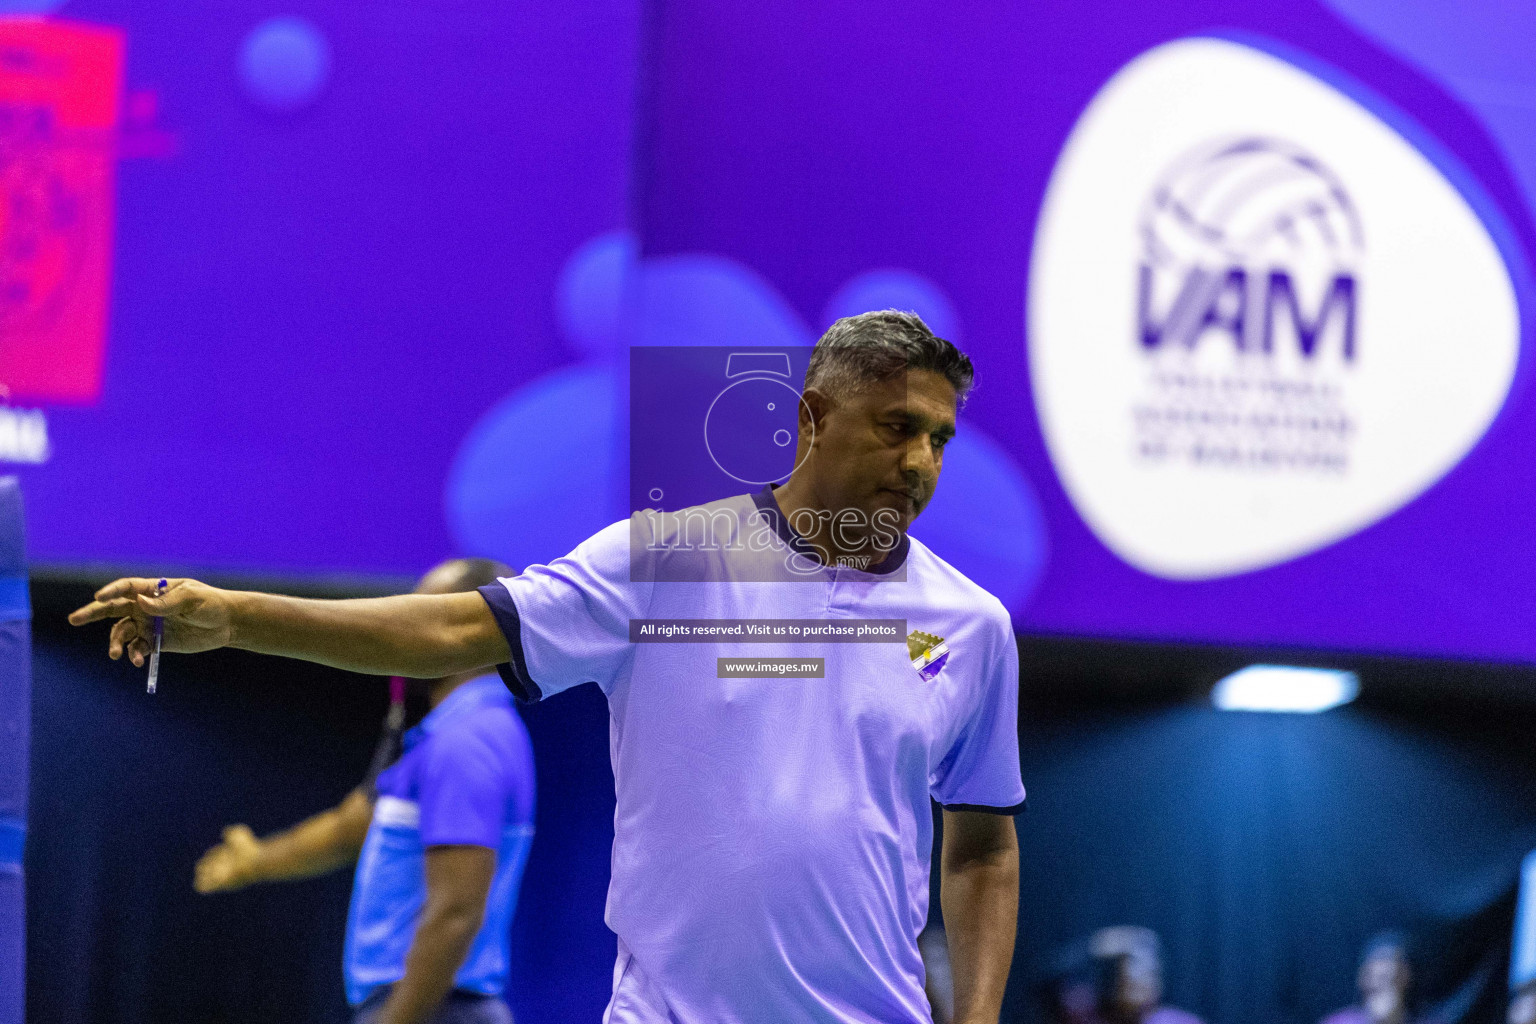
312,308
382,328
385,327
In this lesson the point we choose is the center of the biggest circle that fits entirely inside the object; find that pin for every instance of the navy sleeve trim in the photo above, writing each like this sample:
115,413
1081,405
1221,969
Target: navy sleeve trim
515,672
1017,808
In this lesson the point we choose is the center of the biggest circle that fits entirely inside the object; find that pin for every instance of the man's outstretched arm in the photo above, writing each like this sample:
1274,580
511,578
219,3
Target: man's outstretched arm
423,636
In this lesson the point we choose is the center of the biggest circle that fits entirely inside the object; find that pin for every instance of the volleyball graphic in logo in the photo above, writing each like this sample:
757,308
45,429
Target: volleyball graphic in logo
1235,236
1249,200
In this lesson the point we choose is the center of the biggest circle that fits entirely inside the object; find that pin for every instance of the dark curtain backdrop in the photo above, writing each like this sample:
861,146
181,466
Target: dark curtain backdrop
128,790
1264,848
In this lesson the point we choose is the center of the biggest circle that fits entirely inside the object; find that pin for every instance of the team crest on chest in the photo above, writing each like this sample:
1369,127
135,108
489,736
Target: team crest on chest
928,652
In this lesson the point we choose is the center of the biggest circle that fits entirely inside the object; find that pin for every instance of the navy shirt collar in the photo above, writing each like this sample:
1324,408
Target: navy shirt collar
769,507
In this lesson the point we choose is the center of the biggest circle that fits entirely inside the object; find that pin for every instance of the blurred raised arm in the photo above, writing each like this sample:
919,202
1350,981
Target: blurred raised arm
331,839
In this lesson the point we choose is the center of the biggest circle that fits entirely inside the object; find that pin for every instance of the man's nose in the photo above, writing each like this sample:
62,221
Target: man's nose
919,465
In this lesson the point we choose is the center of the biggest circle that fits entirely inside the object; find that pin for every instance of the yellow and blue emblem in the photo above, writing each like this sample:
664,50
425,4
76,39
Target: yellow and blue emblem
928,652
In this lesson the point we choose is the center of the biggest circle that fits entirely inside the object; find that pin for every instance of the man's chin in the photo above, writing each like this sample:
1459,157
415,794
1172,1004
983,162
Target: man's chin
897,510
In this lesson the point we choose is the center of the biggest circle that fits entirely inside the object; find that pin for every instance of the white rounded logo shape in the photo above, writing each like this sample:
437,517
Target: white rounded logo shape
1260,319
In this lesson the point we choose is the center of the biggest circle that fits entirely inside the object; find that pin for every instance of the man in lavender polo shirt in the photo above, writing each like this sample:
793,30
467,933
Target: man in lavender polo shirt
770,859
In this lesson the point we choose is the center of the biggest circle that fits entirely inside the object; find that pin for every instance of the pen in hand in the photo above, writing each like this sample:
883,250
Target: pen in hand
154,653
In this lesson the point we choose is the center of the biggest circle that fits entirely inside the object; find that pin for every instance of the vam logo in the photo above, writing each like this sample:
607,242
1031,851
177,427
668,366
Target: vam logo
1259,318
1236,238
1230,226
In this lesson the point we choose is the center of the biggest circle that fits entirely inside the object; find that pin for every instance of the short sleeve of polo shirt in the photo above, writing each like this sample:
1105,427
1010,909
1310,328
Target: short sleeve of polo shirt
567,622
981,770
462,792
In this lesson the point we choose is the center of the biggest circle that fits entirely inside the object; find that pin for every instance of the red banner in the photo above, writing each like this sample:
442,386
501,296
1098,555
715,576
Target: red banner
60,96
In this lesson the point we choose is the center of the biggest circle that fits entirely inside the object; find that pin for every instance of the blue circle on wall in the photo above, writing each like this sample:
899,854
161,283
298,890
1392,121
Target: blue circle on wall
285,63
985,519
593,291
711,300
542,471
894,288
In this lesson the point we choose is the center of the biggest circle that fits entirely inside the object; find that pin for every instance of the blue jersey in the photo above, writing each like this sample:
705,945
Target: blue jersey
465,779
772,835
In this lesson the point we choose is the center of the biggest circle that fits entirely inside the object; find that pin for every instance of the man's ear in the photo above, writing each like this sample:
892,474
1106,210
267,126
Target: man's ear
814,407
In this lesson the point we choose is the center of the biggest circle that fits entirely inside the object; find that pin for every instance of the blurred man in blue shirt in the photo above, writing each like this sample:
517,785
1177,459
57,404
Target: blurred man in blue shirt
440,843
